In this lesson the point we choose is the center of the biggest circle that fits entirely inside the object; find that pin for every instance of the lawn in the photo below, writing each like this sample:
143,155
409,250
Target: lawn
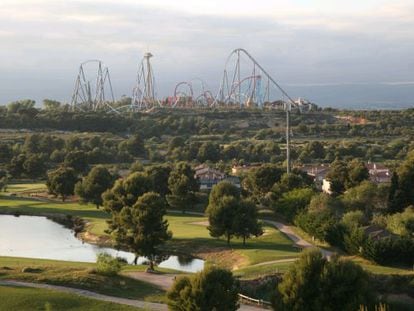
96,217
190,234
254,272
80,275
25,187
31,299
377,269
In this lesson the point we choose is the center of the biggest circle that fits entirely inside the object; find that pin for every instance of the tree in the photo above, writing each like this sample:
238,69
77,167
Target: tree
15,167
3,183
222,189
261,180
313,284
357,173
141,228
293,202
229,215
134,146
78,160
209,290
125,192
209,152
61,182
367,197
183,186
402,223
221,217
158,176
338,177
51,105
245,223
34,166
91,188
21,106
402,186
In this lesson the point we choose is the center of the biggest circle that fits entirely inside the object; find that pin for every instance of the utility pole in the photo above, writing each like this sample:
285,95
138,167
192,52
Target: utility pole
288,138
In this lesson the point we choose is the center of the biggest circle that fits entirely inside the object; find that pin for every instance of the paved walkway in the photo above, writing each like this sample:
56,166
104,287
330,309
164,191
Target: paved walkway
89,294
164,281
86,293
299,241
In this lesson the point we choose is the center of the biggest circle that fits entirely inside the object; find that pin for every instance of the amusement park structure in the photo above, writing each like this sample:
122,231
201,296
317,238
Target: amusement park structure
144,94
244,84
93,88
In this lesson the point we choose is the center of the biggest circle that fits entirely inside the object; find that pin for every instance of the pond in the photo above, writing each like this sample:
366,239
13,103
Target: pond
39,237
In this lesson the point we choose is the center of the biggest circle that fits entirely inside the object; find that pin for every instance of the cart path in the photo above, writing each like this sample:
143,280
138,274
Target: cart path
298,240
88,294
164,281
285,229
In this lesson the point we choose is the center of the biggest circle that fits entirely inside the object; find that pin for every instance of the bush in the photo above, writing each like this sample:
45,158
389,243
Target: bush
108,265
210,289
390,250
313,283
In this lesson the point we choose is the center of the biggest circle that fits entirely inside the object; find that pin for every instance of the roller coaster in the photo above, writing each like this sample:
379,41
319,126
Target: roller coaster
244,84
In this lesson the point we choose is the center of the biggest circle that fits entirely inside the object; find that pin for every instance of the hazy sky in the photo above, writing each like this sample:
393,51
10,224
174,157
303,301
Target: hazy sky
333,52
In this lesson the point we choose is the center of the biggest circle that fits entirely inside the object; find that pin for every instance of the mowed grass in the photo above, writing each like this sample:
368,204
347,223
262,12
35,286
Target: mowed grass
191,234
32,299
254,272
25,187
80,275
96,217
377,269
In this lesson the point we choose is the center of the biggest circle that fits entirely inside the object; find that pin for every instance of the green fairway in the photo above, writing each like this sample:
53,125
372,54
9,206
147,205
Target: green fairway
31,299
80,275
190,233
95,217
25,187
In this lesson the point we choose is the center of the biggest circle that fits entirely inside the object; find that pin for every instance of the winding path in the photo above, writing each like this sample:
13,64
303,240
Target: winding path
285,229
298,240
88,294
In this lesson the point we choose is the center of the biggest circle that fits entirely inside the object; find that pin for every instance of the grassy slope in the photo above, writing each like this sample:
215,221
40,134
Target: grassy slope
31,299
79,275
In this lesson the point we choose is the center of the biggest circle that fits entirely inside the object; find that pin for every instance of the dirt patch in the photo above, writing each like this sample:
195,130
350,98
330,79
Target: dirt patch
224,257
101,240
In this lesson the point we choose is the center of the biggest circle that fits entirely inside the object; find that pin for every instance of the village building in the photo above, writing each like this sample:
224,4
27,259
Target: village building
208,177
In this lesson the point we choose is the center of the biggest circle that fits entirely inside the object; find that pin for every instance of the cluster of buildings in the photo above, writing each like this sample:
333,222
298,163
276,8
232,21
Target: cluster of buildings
378,173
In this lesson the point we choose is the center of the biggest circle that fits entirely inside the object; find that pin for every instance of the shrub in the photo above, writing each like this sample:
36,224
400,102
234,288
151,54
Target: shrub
108,265
210,289
390,250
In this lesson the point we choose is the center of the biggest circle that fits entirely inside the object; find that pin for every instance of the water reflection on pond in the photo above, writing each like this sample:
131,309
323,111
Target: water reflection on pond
39,237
